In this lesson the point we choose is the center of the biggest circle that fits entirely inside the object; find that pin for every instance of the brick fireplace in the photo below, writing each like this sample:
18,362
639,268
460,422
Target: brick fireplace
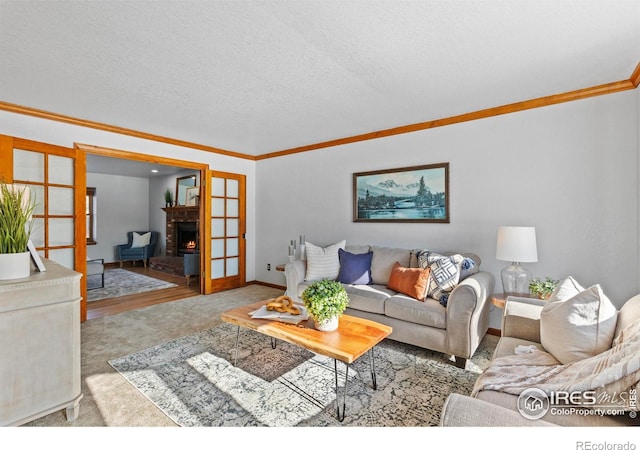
186,221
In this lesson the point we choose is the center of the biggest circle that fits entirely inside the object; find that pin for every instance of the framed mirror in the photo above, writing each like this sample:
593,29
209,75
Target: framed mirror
182,184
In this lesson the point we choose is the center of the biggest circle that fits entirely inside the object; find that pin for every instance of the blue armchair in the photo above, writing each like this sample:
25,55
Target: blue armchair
134,251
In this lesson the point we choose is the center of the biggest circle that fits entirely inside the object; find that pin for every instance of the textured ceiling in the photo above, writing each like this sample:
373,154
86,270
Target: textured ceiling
261,76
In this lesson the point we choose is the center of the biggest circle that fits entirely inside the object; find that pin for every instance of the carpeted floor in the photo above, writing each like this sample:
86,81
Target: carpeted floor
119,282
111,401
193,380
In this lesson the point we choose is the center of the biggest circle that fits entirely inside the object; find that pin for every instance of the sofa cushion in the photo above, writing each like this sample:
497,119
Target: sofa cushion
323,262
354,268
409,281
579,327
383,260
357,249
429,313
368,297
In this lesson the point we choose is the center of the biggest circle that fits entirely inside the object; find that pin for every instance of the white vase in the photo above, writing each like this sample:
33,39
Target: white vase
330,324
15,265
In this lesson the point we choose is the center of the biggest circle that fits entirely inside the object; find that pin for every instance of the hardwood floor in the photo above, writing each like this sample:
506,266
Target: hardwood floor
111,306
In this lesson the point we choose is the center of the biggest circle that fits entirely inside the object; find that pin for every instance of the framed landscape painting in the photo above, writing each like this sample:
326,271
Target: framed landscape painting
408,194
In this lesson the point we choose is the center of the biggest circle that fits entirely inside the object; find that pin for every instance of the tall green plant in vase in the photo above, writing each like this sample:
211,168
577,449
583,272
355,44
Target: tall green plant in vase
325,301
16,209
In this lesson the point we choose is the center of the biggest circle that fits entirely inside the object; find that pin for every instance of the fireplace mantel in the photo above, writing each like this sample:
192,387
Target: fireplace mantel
181,209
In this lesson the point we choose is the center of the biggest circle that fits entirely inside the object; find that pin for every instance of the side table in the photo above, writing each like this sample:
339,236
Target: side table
500,298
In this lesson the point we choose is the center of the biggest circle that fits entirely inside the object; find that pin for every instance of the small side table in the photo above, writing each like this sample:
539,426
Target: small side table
500,298
280,267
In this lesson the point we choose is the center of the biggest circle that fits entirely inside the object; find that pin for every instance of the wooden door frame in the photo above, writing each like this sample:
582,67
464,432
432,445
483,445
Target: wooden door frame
154,159
242,229
7,145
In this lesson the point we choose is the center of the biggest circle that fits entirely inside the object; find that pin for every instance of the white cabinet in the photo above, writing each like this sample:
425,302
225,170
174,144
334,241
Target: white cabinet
40,345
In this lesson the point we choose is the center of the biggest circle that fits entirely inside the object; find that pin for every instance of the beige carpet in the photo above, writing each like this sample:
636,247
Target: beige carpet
109,399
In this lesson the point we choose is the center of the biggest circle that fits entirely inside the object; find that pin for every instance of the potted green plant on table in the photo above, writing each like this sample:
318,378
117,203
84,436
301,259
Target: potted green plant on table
542,288
325,301
16,209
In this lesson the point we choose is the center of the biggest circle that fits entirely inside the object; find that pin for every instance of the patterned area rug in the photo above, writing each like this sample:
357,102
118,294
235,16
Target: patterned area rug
194,382
119,282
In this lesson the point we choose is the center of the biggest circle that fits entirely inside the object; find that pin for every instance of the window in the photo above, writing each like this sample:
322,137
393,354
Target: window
90,211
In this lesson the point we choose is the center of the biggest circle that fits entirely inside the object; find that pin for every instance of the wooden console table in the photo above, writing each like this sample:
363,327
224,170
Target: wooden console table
40,353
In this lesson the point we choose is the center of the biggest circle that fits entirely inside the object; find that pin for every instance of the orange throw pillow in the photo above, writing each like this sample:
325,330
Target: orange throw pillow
409,281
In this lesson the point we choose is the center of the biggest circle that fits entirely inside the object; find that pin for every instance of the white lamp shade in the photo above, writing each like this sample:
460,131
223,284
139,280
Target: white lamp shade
517,244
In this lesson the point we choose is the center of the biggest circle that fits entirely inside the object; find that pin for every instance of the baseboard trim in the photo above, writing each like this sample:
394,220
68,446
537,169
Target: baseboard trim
494,332
262,283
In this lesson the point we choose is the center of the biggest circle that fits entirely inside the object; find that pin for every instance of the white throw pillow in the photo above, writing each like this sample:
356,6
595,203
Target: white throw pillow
568,288
578,327
141,240
323,262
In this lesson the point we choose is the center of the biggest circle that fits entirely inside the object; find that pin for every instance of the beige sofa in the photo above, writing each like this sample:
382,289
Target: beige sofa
521,327
456,329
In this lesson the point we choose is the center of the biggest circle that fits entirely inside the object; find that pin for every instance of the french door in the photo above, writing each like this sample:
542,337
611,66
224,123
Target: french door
56,177
225,225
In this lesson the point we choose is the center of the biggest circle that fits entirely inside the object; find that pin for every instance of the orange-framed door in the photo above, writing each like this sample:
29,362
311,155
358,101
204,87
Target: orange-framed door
57,178
225,227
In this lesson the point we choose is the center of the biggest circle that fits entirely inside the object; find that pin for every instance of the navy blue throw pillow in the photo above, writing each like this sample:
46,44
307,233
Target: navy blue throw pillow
354,268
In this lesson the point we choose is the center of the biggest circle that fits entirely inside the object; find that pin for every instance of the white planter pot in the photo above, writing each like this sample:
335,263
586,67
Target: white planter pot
330,324
15,265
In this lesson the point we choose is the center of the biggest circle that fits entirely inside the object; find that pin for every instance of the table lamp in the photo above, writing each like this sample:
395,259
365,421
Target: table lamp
518,245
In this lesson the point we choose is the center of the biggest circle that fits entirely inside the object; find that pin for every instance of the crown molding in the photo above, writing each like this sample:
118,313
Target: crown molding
603,89
579,94
635,76
26,110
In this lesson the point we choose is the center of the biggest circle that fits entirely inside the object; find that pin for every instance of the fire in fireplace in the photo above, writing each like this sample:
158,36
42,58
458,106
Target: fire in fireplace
186,238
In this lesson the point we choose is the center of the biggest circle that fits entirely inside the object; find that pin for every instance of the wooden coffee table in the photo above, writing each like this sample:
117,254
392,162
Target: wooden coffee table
353,338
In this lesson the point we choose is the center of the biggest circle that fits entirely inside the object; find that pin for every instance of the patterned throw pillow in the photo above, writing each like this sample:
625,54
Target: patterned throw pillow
445,273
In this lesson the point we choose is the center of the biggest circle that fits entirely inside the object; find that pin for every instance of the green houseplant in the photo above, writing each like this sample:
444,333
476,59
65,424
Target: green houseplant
325,301
542,288
16,209
168,198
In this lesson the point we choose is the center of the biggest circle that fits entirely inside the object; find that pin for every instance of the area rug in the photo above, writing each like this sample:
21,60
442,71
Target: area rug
119,282
194,382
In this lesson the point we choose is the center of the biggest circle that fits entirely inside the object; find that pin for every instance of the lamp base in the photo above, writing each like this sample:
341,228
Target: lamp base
515,279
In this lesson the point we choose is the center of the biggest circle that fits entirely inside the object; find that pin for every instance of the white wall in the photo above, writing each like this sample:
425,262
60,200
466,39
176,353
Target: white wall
66,135
570,170
122,206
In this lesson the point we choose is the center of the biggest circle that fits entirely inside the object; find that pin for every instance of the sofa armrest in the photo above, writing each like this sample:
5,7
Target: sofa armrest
294,272
463,411
467,313
521,318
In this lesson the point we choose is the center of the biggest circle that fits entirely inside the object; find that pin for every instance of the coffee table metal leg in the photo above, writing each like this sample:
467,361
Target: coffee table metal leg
273,342
344,394
372,360
235,361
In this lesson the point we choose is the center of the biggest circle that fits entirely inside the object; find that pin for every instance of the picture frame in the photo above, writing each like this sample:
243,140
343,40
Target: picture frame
35,257
193,196
408,194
